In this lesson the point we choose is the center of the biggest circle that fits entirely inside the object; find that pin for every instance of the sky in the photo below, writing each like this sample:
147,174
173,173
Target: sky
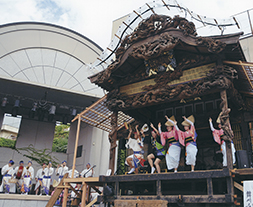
93,18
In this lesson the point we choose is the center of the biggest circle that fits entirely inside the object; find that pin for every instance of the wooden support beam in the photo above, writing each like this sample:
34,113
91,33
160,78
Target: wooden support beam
238,186
80,180
63,186
209,186
238,63
83,201
76,144
224,101
158,188
65,197
92,202
76,192
113,139
57,193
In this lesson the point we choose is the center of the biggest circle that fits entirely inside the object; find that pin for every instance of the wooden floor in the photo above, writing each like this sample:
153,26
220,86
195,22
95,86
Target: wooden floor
207,186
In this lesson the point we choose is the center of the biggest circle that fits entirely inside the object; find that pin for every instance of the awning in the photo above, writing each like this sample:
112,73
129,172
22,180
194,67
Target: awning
98,115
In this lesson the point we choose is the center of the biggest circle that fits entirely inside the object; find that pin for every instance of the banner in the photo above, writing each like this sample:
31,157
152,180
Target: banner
248,193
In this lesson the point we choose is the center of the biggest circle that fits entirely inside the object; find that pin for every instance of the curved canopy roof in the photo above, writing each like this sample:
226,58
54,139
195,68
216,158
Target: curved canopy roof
47,55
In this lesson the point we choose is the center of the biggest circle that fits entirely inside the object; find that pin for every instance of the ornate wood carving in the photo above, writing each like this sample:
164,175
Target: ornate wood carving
157,30
155,48
219,77
214,46
156,24
225,125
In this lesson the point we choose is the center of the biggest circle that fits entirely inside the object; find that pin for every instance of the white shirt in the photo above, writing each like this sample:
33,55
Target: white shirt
10,170
88,174
134,144
61,171
76,173
40,173
49,171
31,170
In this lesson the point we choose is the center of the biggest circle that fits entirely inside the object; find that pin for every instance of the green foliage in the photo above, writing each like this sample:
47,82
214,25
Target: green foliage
61,131
61,136
39,156
60,145
121,161
7,143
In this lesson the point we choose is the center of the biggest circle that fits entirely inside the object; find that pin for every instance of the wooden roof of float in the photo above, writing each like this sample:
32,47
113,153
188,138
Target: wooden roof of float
204,65
98,115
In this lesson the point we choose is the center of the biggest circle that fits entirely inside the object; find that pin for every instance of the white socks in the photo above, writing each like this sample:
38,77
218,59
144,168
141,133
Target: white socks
152,170
132,170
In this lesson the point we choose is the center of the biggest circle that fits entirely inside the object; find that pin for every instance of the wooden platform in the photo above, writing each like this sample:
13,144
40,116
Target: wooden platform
209,186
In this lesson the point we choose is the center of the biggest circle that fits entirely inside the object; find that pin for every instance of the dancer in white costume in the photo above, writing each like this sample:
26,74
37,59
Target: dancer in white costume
28,175
8,172
39,177
18,172
47,178
61,170
136,159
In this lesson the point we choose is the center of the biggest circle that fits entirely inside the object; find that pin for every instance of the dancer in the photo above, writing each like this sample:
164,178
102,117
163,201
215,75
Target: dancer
188,138
39,177
18,172
61,170
47,178
158,153
136,159
217,135
8,172
174,150
27,175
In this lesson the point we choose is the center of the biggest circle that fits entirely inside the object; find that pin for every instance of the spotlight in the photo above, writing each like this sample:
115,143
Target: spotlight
73,112
4,102
51,112
33,110
16,107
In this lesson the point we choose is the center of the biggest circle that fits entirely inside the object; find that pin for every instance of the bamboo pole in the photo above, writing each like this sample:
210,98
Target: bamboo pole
77,138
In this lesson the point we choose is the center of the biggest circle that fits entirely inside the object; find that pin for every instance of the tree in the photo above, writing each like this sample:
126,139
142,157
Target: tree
61,135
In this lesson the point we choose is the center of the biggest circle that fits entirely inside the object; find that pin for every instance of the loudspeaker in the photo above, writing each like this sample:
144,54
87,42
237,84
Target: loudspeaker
242,159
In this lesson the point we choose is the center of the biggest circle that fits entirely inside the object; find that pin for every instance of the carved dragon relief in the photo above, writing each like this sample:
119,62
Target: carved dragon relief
219,77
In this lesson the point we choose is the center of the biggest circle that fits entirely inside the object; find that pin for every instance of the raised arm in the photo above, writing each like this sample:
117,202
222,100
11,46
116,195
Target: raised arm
191,123
211,124
137,131
130,132
152,126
